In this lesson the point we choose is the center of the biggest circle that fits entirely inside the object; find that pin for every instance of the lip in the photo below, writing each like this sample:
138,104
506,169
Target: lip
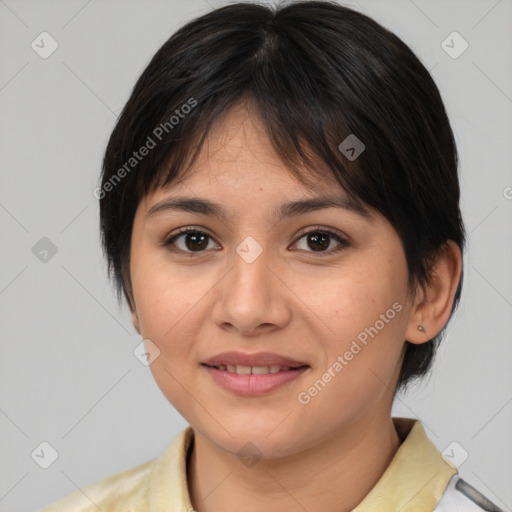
257,359
253,385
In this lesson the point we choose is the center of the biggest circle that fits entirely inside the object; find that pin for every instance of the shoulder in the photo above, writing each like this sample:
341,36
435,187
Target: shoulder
128,490
160,482
459,496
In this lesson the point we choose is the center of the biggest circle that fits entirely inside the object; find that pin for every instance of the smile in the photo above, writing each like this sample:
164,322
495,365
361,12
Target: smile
252,370
253,380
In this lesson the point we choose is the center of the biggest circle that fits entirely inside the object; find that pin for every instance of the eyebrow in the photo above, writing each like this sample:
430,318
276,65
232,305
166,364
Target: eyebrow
285,210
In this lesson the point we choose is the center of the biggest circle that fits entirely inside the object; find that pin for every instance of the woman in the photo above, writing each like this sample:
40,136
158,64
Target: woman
280,209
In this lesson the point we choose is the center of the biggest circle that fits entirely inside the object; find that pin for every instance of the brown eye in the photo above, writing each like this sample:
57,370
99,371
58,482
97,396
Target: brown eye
190,240
319,241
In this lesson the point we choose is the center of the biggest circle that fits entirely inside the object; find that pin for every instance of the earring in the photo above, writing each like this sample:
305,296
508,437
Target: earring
421,328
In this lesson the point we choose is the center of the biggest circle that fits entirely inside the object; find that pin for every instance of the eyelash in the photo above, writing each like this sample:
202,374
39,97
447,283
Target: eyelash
343,243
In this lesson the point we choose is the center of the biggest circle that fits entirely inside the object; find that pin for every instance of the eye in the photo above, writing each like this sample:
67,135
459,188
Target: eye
319,240
191,239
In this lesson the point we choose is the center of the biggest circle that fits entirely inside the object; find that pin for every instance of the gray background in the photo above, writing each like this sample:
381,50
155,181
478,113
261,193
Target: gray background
68,374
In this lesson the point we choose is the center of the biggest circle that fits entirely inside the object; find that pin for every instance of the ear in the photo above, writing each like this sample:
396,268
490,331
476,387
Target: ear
433,304
135,321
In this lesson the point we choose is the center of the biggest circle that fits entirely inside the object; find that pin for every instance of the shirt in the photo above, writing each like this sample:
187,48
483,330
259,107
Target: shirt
418,479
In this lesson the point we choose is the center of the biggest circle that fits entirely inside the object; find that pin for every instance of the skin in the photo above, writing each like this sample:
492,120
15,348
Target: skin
329,453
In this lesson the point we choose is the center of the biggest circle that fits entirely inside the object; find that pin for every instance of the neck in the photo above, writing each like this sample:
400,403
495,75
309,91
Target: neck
334,475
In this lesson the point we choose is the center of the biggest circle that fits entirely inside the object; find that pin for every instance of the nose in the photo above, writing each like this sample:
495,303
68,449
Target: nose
252,299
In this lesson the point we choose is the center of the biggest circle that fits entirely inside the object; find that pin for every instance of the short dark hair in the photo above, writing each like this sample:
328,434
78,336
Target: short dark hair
317,72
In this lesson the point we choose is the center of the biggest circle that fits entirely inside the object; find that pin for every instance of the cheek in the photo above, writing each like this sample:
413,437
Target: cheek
351,297
363,315
166,301
165,294
362,365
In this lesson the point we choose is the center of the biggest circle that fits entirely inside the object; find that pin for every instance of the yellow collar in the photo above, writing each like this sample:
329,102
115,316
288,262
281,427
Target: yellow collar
413,482
415,479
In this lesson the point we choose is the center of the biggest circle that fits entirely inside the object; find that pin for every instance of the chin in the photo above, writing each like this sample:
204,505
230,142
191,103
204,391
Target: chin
264,438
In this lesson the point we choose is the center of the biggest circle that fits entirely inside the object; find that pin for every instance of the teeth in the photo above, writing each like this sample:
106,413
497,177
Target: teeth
259,370
254,370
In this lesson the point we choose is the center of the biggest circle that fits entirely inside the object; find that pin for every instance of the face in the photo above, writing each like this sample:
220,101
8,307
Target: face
322,291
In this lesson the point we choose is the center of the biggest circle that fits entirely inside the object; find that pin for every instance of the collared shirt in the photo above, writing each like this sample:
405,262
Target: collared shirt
418,479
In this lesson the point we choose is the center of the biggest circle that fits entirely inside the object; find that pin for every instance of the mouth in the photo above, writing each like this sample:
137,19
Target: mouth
254,370
252,375
258,360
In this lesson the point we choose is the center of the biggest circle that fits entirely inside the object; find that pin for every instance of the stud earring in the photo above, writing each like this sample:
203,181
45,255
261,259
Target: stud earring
421,328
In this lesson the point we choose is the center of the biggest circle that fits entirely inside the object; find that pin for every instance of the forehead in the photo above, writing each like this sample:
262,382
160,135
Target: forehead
238,172
238,165
239,152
